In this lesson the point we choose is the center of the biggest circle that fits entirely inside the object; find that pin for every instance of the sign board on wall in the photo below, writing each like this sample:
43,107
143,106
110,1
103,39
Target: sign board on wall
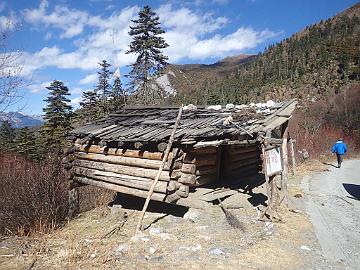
273,161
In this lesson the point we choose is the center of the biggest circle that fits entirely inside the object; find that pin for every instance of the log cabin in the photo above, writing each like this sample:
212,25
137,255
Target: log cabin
212,147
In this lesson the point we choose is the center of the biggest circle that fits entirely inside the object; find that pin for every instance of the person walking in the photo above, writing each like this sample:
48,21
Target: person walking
339,149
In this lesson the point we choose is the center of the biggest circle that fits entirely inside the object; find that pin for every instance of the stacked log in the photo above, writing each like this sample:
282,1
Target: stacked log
128,171
133,171
241,161
204,166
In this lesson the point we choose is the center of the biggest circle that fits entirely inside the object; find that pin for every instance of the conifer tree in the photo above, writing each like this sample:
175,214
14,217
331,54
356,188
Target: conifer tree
103,87
89,104
7,136
57,117
118,96
147,44
26,143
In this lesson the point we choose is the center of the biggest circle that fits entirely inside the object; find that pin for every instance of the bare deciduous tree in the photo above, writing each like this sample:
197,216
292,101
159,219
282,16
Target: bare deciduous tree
11,80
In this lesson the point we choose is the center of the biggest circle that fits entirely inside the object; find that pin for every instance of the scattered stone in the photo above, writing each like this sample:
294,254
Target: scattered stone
122,249
269,228
190,107
305,248
165,236
216,251
117,210
196,248
201,228
192,215
156,258
155,231
152,250
270,103
140,236
214,107
230,106
87,242
205,237
241,106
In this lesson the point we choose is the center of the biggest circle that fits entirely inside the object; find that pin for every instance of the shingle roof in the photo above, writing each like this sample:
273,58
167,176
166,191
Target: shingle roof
154,124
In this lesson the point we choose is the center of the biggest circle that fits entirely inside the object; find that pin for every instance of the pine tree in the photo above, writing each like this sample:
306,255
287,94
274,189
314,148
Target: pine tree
147,44
26,143
103,88
118,95
57,117
89,104
7,136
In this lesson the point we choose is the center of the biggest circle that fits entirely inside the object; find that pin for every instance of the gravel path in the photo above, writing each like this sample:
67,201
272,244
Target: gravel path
333,204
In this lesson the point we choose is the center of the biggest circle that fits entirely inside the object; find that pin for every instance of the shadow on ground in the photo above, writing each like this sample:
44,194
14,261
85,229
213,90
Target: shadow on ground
136,203
353,190
329,164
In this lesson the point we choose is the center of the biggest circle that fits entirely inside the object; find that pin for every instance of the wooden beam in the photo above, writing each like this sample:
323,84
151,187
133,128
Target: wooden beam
284,151
122,169
120,179
122,189
122,152
122,160
292,153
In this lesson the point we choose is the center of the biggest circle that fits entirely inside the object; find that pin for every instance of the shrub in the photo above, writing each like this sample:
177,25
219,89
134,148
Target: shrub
33,196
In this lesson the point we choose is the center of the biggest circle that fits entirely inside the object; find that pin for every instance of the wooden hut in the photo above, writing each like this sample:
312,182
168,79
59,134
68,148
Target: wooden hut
212,146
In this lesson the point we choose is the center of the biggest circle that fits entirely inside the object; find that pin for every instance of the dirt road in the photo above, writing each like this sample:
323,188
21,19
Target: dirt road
333,204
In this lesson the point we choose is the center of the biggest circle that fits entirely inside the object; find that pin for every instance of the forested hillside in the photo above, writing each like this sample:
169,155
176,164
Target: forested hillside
313,63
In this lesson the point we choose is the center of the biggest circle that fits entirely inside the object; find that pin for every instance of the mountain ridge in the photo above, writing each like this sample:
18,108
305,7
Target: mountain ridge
313,63
20,120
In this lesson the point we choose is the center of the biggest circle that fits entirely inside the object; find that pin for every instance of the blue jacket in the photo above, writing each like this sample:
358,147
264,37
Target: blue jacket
339,148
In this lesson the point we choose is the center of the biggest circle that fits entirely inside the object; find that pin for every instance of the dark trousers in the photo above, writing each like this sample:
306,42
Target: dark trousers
339,159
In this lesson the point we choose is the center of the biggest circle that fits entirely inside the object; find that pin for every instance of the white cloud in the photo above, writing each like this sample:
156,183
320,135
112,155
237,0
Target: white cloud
243,38
185,20
75,101
9,23
71,21
37,87
92,78
191,35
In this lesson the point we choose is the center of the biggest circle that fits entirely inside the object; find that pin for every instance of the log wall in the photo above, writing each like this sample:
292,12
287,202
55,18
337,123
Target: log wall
133,171
240,161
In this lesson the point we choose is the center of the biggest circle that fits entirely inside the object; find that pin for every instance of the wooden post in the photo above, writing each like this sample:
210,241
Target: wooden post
267,183
292,153
284,151
164,160
73,202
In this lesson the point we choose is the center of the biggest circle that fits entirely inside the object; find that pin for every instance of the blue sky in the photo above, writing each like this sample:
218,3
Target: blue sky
65,40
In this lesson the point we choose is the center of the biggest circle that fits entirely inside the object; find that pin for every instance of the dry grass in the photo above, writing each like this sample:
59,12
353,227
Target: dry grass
81,244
